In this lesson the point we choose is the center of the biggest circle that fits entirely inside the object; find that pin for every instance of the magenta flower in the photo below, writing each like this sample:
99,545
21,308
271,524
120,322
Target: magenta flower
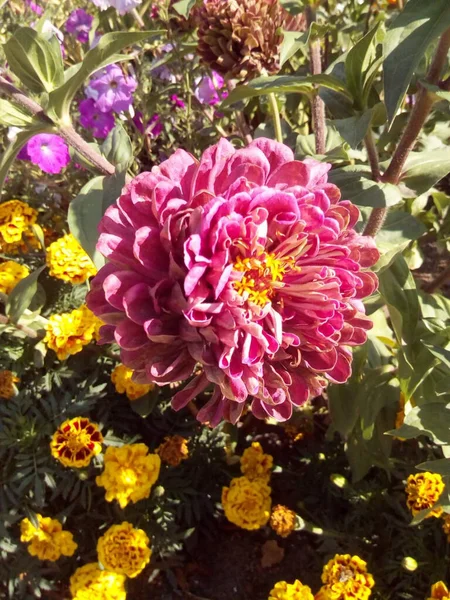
49,152
34,7
100,123
111,90
209,89
244,263
177,101
79,24
153,128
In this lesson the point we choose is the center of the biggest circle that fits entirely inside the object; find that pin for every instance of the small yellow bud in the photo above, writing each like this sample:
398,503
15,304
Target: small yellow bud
409,563
339,480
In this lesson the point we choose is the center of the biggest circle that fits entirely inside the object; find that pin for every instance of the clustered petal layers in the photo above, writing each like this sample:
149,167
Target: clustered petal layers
245,263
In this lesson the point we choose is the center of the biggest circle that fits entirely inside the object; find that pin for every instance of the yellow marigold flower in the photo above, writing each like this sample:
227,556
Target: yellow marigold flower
290,591
124,549
7,387
69,332
247,502
173,450
424,490
76,442
255,464
10,275
345,577
15,218
49,541
129,473
282,520
68,261
89,582
122,380
439,591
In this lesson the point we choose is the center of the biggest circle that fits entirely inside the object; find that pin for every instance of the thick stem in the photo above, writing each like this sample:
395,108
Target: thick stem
318,105
417,118
31,333
372,155
20,98
276,118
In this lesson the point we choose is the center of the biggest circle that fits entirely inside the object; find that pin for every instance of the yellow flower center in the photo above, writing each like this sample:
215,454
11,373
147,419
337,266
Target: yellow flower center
77,442
345,575
261,275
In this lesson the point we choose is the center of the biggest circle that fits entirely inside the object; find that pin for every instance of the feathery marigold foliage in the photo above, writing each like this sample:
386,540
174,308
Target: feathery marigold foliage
67,260
247,503
7,384
124,384
76,442
439,591
49,541
68,333
89,582
124,549
290,591
255,464
129,473
173,450
282,520
11,273
344,577
423,491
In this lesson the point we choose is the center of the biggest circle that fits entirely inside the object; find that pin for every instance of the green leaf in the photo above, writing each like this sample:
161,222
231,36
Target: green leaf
405,44
441,466
398,288
441,353
117,148
13,116
436,91
102,55
423,170
357,63
22,295
344,408
284,84
356,184
292,41
353,129
398,231
36,61
85,212
432,420
184,7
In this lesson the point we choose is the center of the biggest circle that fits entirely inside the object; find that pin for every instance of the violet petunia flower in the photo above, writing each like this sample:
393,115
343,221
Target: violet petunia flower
49,152
100,123
79,24
177,101
153,128
209,89
34,7
243,269
111,89
122,6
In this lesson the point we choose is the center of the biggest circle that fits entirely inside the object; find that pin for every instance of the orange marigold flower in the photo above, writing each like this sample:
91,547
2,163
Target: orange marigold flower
124,384
76,442
89,582
424,490
68,261
282,520
7,384
68,333
173,450
124,549
345,577
11,273
48,541
439,591
290,591
255,464
247,503
15,218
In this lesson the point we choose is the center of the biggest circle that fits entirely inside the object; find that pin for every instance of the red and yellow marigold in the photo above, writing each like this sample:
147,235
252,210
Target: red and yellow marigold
423,491
76,442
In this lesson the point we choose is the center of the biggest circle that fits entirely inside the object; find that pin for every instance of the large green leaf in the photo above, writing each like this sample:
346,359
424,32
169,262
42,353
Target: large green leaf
358,61
354,129
432,420
441,466
184,7
284,84
100,56
36,61
398,231
405,44
13,116
22,295
292,41
117,148
423,170
356,184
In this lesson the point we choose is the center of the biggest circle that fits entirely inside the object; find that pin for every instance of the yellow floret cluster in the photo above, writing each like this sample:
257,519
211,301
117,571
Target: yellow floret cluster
345,576
16,219
129,473
68,261
124,549
7,384
282,520
247,503
423,491
255,464
11,273
89,582
173,450
124,384
290,591
68,333
48,541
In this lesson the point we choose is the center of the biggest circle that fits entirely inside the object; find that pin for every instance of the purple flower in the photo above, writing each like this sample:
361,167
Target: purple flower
49,152
111,90
122,6
177,102
153,128
79,23
209,89
34,7
92,118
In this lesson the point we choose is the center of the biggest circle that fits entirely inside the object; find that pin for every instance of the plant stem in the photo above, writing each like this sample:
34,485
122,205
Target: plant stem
31,333
372,155
318,105
276,118
20,98
137,17
417,118
438,282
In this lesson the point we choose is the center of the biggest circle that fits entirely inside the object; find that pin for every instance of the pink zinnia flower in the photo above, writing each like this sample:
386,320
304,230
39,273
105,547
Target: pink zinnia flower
49,152
243,265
